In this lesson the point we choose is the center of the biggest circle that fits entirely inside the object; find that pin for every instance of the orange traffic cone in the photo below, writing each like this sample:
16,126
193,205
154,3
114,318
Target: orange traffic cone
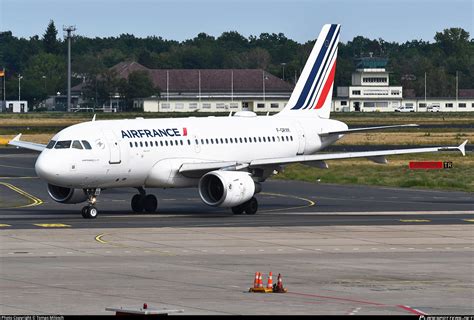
270,281
260,282
279,287
255,281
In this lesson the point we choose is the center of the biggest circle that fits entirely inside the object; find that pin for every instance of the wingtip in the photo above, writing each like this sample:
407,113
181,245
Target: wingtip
17,138
462,147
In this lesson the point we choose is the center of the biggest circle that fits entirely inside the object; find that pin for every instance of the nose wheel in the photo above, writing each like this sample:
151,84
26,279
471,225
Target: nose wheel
144,202
90,211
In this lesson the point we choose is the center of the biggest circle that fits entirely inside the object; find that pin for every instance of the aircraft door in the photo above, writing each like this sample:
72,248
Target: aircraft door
301,139
114,147
196,142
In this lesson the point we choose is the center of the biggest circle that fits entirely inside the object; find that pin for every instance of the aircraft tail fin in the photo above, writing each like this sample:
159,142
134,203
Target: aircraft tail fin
313,91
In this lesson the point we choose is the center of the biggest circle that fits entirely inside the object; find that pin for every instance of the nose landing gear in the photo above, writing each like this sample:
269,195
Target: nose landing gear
144,202
90,211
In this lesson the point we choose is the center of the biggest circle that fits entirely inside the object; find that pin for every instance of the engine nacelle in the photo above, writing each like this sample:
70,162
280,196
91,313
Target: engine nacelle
226,188
66,195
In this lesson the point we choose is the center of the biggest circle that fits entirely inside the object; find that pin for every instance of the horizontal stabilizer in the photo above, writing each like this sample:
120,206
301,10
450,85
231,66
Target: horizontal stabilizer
366,129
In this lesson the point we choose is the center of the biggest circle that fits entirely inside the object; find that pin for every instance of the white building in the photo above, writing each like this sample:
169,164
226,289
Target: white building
370,89
211,90
16,106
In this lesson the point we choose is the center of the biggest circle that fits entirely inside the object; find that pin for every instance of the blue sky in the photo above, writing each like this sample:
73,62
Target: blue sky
300,20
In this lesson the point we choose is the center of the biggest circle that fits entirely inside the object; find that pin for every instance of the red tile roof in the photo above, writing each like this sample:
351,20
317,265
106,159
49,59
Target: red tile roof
212,80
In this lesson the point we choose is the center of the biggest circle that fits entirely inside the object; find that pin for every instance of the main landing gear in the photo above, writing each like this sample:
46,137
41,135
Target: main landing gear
249,207
144,202
90,211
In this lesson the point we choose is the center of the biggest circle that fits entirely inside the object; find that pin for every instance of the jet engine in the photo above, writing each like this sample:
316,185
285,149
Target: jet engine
226,188
66,195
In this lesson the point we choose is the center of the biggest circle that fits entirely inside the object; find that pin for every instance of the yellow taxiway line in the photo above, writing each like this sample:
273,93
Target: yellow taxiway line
34,200
310,202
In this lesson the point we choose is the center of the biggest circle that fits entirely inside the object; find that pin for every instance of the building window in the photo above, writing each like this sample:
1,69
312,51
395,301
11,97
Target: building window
234,105
274,105
395,92
206,106
344,103
220,105
462,105
356,92
193,105
422,105
165,106
260,105
369,104
449,105
179,106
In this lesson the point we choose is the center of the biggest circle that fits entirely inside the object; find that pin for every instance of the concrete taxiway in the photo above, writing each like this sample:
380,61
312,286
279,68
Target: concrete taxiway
340,249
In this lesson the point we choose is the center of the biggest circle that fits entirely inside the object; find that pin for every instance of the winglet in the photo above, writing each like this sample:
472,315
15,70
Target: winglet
17,138
93,118
462,147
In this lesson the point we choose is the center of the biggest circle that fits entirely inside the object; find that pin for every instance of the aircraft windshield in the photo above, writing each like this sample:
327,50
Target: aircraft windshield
76,144
66,144
86,145
51,144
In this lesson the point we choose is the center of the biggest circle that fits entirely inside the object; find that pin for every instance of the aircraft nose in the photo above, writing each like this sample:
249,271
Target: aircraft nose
45,168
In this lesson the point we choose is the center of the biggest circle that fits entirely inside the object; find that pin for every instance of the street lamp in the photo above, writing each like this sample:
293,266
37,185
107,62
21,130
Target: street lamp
19,86
44,78
283,64
264,77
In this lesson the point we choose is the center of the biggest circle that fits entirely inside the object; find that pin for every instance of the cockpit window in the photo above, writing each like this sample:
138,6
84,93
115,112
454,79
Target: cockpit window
86,145
63,144
76,144
51,144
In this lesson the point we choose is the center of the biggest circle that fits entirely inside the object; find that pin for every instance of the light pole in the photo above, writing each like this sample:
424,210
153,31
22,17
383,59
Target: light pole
264,77
19,86
283,64
69,30
44,78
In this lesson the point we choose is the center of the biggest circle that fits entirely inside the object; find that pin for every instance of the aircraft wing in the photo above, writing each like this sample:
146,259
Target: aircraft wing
26,145
377,156
366,129
196,169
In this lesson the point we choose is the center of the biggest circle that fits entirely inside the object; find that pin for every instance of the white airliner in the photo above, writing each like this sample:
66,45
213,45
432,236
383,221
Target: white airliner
226,158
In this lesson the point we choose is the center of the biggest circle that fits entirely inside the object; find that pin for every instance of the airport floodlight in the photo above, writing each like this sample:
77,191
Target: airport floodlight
69,30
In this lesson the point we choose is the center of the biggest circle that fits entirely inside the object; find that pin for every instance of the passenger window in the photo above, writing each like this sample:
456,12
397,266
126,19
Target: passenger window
264,140
222,140
141,144
207,141
77,145
156,143
245,140
226,141
212,141
166,142
136,144
131,144
291,138
202,141
63,144
51,144
181,141
86,145
231,140
146,144
240,139
273,138
254,139
161,143
197,141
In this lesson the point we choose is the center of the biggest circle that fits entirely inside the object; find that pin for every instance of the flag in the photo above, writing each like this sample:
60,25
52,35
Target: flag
2,73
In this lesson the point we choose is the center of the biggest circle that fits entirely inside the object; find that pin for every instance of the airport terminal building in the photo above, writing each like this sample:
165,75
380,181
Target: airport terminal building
210,90
370,91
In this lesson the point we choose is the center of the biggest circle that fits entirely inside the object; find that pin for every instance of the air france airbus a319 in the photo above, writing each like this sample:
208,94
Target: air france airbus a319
226,158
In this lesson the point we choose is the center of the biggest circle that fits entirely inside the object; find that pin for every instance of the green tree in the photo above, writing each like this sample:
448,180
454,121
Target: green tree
50,39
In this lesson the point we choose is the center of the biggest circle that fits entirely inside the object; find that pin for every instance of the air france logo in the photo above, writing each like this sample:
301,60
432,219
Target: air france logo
146,133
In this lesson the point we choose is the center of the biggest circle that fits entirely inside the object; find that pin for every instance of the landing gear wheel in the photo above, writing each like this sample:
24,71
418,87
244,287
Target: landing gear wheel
89,212
251,206
137,203
150,203
238,209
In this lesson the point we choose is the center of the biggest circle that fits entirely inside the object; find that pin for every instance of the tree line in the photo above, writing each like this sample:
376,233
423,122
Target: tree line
41,61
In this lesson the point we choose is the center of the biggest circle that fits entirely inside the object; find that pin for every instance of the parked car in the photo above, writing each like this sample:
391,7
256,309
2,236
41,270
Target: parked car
405,109
433,109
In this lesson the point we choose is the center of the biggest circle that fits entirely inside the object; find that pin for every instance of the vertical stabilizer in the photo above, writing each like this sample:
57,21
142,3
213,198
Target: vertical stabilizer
312,95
